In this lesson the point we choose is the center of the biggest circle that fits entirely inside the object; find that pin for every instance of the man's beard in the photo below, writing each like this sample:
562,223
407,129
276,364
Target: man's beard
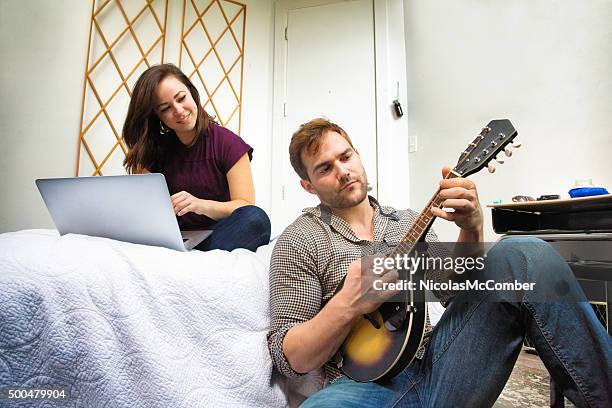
343,200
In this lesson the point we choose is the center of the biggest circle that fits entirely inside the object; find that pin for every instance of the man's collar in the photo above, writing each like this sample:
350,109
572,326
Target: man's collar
325,213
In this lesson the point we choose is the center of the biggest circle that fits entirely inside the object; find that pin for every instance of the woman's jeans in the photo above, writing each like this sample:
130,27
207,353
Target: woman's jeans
247,227
475,344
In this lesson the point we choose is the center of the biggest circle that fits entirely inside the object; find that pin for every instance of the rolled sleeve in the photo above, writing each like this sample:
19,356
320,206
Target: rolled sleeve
275,345
295,292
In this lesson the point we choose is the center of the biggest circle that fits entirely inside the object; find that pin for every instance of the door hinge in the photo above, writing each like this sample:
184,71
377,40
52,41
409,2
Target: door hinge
283,193
286,34
285,109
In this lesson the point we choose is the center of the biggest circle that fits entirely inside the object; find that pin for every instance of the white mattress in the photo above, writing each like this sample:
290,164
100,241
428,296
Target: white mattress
127,325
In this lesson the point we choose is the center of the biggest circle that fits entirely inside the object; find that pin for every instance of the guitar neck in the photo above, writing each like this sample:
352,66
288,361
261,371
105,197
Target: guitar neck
422,224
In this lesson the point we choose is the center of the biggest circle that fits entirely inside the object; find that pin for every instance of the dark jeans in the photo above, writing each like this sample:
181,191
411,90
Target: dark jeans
247,227
475,344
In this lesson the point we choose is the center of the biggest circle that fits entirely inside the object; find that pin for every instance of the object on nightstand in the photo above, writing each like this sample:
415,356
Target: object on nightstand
522,198
545,197
585,188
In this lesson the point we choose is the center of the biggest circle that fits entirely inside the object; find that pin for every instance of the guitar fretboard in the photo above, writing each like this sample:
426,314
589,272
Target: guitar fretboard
422,224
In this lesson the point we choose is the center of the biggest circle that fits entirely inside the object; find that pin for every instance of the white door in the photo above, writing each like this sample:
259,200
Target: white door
329,72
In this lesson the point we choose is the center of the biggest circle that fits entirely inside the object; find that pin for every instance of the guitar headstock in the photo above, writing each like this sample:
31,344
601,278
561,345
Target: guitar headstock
491,141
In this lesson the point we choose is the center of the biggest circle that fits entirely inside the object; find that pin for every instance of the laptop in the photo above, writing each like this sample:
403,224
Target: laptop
130,208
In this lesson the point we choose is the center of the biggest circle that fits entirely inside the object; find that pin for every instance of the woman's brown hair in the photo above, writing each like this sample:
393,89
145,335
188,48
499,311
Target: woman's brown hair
141,130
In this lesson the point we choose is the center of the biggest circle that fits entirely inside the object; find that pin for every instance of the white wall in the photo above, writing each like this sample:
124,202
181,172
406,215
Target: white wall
43,47
546,65
257,94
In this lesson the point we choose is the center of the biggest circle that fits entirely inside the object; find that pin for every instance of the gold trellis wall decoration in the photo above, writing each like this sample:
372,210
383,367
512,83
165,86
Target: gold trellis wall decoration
129,37
212,56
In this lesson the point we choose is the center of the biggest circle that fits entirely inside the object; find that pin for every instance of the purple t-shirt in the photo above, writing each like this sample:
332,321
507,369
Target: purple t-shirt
201,169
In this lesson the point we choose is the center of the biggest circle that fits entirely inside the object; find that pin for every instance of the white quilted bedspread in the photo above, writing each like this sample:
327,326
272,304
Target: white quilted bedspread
123,325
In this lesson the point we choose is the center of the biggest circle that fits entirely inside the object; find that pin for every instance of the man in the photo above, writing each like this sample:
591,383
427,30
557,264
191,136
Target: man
468,358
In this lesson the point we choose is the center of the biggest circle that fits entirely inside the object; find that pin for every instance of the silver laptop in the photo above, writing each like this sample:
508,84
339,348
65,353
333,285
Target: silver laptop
132,208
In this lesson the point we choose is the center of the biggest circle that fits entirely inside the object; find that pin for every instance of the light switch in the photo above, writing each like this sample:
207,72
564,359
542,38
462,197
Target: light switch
412,144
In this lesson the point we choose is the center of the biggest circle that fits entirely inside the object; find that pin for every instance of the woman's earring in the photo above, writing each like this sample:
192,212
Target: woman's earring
162,128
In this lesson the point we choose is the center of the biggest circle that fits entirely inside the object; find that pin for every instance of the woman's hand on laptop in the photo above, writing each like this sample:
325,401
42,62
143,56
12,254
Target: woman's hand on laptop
184,203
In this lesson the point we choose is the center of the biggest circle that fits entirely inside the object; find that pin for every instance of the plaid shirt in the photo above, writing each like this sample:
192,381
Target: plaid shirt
310,259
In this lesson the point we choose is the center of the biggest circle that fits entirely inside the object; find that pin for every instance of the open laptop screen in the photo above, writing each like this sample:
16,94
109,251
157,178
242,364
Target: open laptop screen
131,208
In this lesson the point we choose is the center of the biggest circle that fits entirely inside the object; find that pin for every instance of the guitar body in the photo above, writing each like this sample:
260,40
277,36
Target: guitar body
379,354
383,343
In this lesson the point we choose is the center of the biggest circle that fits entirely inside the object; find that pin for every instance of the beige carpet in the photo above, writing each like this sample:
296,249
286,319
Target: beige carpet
528,385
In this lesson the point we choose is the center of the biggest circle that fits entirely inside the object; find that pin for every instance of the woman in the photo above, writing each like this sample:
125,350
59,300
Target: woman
207,167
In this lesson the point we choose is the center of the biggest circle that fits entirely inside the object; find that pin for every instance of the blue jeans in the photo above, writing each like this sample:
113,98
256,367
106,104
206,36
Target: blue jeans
475,344
247,227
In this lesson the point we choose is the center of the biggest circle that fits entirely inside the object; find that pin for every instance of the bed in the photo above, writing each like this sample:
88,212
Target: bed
124,325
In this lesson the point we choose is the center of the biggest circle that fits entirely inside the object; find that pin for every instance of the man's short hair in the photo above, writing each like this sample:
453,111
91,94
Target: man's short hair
308,139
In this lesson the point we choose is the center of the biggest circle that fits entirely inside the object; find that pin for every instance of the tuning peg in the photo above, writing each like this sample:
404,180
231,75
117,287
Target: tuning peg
500,161
491,167
516,145
508,151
